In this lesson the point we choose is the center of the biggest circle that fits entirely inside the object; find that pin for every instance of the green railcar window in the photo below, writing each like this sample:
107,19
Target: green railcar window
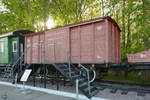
1,46
14,46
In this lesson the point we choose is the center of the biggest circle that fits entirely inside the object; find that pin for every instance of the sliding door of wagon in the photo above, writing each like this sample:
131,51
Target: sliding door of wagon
75,43
87,43
36,48
56,47
100,42
49,47
82,43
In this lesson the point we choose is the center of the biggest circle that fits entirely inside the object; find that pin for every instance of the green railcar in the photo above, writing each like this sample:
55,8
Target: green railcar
11,47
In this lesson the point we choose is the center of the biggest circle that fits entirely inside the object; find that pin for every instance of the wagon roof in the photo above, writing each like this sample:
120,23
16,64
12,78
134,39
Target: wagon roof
83,23
7,34
90,21
16,33
95,20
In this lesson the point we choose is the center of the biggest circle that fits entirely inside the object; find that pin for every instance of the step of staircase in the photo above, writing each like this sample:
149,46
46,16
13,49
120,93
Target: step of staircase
83,82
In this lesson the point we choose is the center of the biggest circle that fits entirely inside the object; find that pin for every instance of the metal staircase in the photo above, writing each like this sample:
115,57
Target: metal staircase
7,72
74,73
10,70
70,71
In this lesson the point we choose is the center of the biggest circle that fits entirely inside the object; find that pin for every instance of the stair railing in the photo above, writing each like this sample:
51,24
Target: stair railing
19,61
69,63
66,53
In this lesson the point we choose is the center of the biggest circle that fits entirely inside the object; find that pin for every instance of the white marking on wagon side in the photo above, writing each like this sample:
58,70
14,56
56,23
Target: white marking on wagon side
99,28
50,91
99,57
142,55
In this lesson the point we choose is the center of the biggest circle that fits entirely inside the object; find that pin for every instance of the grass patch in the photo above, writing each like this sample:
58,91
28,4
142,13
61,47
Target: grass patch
122,79
133,77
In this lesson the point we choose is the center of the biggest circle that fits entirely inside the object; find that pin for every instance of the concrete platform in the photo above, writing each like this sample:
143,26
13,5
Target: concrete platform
65,93
9,91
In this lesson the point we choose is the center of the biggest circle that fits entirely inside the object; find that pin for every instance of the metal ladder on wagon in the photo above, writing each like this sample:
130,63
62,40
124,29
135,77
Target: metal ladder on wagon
73,73
9,71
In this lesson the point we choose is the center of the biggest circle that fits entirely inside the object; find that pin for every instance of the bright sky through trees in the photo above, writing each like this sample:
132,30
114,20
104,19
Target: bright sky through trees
50,23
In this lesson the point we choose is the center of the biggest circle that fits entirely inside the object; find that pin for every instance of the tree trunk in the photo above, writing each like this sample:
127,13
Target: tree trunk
29,14
128,35
123,25
103,13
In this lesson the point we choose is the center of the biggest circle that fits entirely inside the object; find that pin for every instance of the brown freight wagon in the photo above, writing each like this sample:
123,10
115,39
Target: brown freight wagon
93,41
143,56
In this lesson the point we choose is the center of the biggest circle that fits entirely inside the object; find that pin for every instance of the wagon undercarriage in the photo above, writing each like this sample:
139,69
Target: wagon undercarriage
59,71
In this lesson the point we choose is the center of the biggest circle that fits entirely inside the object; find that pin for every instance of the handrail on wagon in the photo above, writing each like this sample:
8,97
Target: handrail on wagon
69,58
18,60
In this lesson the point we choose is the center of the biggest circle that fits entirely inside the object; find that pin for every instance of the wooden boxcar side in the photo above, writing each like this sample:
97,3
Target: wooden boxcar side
61,38
113,42
39,47
88,43
143,56
34,48
94,41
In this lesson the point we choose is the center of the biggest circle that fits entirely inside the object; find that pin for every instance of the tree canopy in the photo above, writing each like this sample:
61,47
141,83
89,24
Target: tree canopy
133,17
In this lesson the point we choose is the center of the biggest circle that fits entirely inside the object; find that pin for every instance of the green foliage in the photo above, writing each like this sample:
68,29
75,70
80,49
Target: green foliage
72,11
133,17
133,76
129,14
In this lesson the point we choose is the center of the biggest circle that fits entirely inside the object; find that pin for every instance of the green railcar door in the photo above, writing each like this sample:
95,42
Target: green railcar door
14,49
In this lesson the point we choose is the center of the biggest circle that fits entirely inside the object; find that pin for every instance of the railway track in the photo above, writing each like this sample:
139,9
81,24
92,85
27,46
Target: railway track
125,87
123,83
